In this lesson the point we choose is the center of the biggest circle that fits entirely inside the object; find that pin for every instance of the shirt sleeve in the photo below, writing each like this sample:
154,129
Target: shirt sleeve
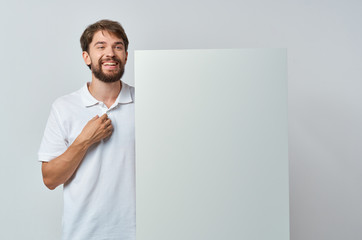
53,143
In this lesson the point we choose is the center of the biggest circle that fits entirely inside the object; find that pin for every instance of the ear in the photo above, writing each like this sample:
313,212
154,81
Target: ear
86,58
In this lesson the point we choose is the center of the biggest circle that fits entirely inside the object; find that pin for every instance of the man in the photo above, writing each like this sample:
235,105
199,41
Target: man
88,143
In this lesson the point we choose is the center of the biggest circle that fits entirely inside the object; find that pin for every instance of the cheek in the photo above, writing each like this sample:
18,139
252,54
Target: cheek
123,58
95,59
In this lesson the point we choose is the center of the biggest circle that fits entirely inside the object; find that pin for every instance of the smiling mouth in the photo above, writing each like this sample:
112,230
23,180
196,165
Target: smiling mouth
110,64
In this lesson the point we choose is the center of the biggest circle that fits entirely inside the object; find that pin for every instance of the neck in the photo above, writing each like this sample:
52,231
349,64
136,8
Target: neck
105,92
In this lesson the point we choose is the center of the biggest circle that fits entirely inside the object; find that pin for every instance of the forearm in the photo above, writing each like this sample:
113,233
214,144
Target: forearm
60,169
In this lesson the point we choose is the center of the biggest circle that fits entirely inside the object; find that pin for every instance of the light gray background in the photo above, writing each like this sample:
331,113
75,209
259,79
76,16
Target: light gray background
41,60
212,144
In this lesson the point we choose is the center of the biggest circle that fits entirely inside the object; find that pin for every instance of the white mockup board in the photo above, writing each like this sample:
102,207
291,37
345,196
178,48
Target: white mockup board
211,144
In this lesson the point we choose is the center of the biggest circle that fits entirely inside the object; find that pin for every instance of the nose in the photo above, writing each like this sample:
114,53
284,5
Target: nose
109,52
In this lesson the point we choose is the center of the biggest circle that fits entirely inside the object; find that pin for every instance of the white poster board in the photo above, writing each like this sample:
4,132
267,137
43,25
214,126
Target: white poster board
211,144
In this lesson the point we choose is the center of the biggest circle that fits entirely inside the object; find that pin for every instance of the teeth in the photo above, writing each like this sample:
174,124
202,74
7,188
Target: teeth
110,64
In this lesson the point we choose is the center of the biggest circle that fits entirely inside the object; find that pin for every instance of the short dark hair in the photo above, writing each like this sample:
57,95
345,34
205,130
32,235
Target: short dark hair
106,25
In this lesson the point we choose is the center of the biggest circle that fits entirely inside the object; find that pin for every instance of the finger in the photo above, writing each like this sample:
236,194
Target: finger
104,117
109,131
110,128
107,122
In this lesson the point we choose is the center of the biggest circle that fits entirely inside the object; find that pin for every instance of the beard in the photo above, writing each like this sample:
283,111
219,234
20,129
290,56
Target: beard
113,76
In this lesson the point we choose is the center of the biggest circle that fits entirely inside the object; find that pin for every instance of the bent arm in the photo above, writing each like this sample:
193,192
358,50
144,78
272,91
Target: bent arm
61,169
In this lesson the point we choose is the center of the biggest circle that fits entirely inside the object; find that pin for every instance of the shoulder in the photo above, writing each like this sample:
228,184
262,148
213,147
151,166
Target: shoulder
131,90
68,100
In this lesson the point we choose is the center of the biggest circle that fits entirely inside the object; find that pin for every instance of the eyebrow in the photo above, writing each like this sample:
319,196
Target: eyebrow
102,42
99,42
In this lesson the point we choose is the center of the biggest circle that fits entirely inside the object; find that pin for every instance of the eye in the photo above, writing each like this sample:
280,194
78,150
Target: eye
119,47
100,47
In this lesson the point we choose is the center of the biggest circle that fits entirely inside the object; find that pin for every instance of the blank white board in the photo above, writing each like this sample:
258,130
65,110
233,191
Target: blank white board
211,144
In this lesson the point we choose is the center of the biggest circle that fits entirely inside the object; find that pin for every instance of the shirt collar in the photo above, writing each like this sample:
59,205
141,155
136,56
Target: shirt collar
123,97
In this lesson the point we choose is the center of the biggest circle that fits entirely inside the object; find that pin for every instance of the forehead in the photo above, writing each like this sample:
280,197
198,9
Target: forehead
105,36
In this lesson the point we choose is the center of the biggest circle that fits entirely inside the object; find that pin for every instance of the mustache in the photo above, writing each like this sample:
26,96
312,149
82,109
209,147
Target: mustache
115,59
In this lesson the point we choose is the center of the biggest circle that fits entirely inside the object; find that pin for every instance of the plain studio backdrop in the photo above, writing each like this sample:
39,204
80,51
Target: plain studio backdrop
41,60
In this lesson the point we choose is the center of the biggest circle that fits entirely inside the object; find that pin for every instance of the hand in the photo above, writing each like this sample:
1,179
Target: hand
96,129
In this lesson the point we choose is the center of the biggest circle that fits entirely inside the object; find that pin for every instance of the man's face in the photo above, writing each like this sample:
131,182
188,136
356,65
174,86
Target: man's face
106,56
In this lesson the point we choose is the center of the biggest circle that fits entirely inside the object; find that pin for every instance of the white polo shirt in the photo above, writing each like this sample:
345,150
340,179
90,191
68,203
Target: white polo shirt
99,199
